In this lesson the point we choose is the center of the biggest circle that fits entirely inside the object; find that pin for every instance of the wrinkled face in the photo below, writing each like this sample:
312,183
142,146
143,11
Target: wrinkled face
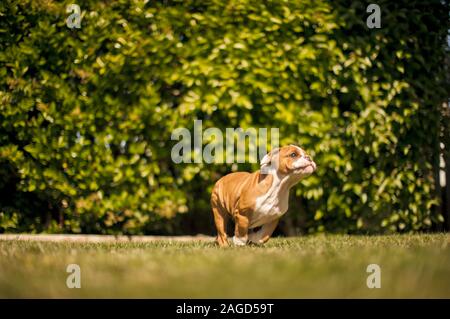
289,160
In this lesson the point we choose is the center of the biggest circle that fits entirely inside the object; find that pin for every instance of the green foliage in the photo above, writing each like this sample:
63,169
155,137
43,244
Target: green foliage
86,114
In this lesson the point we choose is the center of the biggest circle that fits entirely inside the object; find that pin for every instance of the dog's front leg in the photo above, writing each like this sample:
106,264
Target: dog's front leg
262,236
241,230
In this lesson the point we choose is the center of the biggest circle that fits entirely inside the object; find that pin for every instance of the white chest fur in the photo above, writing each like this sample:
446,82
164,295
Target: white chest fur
271,205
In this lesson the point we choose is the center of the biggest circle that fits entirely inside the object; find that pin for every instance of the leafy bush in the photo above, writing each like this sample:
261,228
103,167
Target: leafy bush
86,114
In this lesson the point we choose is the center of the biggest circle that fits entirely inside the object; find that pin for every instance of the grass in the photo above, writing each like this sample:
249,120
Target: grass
331,266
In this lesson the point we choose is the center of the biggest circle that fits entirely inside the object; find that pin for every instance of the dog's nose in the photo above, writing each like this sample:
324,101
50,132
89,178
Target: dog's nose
308,158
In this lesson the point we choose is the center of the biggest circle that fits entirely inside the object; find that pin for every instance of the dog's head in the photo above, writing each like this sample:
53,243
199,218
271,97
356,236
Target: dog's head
288,160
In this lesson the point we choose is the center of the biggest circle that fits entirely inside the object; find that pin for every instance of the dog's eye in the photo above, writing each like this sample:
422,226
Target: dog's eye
294,154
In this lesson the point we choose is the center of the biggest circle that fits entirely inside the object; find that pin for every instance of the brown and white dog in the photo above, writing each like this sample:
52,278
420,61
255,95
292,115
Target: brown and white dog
258,199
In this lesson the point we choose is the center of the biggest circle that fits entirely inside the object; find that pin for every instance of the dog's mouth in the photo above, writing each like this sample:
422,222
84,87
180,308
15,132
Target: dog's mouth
306,169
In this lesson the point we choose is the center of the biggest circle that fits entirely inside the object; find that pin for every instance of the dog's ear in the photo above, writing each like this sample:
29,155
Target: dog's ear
267,160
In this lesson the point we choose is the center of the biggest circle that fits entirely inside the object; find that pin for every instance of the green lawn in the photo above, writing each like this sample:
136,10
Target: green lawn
312,266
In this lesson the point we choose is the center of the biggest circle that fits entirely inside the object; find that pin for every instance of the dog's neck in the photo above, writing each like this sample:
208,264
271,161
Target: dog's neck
273,199
277,184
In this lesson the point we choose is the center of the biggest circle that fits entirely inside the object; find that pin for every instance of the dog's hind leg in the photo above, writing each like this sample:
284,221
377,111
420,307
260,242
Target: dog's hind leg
220,219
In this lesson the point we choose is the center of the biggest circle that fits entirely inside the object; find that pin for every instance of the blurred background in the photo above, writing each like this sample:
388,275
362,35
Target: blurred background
87,113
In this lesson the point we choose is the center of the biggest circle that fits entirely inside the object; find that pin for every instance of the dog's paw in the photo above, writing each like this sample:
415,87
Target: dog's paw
256,242
255,238
238,241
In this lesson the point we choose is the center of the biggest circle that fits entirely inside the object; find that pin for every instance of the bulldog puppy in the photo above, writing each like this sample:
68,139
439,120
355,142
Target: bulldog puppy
258,199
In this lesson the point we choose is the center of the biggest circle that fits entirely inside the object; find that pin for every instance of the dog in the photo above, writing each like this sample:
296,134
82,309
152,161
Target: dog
258,199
